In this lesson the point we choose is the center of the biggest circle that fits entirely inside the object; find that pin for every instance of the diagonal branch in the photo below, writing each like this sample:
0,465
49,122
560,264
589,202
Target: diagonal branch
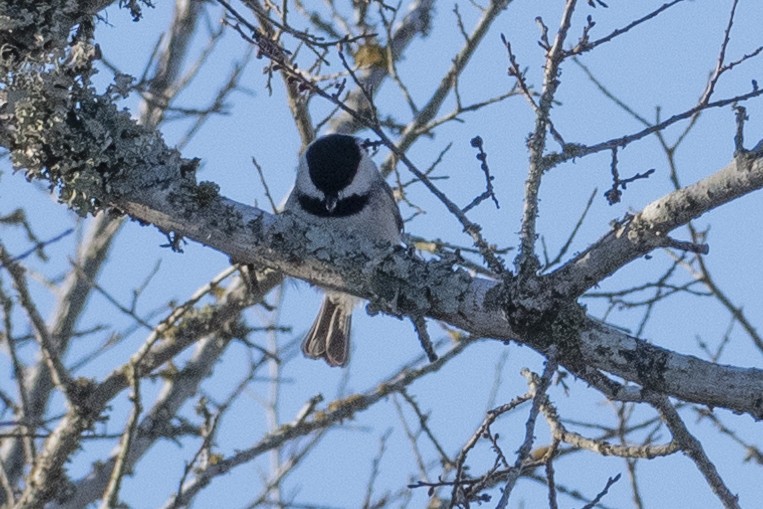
436,290
301,426
649,228
416,22
427,112
159,188
692,447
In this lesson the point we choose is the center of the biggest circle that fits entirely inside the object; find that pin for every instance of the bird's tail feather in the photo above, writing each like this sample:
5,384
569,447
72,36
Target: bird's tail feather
329,336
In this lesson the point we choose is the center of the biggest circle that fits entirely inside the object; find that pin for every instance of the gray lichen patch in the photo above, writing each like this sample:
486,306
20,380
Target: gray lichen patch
85,147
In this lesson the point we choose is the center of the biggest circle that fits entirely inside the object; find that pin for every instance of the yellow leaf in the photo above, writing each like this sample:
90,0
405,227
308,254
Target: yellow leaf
370,54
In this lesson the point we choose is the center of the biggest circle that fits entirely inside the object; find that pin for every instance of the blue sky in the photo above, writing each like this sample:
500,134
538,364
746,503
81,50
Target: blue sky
664,63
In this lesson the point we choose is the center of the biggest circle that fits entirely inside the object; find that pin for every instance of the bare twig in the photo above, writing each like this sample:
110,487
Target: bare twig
423,418
752,451
41,244
527,261
720,66
458,494
693,448
202,457
420,324
60,374
593,503
577,151
337,411
375,469
588,46
412,439
265,187
489,193
550,478
741,118
614,193
538,387
111,496
428,111
23,411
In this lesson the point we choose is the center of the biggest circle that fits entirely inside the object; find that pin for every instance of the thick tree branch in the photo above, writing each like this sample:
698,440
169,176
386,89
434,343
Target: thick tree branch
81,144
154,184
30,27
649,228
151,182
400,283
93,252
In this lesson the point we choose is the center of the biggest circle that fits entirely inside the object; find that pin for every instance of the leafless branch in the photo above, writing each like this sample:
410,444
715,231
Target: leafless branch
585,46
111,496
61,376
538,387
527,261
693,448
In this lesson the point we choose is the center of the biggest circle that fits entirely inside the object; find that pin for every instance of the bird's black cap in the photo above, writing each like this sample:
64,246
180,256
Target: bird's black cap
332,162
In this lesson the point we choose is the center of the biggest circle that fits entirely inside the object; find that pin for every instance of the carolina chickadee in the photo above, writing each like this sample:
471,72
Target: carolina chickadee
338,187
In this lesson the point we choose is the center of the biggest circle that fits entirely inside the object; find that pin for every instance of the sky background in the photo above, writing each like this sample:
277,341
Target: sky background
662,64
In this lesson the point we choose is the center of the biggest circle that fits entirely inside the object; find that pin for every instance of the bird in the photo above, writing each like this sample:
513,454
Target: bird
338,187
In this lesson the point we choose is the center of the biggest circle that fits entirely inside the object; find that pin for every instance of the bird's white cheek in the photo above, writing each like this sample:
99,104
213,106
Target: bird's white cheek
365,177
305,184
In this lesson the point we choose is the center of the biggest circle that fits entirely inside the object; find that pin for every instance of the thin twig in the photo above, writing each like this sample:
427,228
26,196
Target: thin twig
578,151
720,66
58,372
477,143
566,246
423,418
23,412
527,260
111,495
375,468
492,415
538,388
693,448
41,244
337,411
420,324
620,31
593,503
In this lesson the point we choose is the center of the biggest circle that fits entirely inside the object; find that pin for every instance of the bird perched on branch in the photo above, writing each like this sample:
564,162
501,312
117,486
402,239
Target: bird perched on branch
339,187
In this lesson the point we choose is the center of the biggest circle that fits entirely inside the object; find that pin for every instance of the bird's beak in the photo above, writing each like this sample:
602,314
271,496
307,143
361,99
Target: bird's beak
330,202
